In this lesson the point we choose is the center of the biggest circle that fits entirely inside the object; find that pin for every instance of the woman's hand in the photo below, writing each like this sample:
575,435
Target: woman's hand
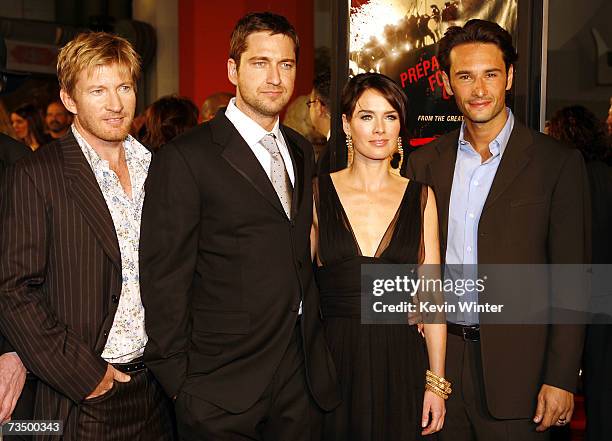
434,410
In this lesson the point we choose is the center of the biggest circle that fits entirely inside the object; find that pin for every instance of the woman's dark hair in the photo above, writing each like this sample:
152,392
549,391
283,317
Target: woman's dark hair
167,118
36,128
579,127
476,31
384,85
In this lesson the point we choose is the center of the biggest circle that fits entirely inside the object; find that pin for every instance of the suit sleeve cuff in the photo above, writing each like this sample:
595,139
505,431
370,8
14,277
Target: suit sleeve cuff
171,372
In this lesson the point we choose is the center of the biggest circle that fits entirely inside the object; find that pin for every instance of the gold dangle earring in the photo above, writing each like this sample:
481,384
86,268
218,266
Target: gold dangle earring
400,152
349,150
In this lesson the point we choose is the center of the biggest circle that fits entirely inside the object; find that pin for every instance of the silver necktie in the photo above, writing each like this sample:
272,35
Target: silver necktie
278,176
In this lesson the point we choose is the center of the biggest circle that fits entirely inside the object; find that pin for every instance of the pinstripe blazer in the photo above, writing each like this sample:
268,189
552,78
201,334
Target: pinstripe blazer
10,152
60,273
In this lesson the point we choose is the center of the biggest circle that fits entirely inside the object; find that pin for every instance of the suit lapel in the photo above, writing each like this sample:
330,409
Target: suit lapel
242,159
515,158
85,191
442,171
297,159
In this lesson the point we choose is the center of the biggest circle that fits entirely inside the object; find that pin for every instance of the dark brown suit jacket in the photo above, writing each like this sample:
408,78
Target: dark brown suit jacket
10,152
60,273
537,212
223,270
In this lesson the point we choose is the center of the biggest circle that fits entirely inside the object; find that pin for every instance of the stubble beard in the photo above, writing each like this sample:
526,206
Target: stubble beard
56,127
98,130
268,109
483,119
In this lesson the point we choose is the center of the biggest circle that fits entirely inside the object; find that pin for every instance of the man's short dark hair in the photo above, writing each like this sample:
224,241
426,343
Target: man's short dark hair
321,86
476,31
260,22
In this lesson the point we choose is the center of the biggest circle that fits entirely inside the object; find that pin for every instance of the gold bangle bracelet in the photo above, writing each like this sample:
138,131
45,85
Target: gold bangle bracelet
438,378
438,382
436,391
444,387
446,390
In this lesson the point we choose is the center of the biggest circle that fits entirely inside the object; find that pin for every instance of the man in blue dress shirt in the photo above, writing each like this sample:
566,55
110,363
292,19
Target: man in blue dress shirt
507,195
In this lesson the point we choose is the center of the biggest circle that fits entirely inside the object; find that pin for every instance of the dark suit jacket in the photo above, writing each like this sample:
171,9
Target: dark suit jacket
537,212
60,273
223,270
10,152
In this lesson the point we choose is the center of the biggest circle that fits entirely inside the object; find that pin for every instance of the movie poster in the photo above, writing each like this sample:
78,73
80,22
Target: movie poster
399,39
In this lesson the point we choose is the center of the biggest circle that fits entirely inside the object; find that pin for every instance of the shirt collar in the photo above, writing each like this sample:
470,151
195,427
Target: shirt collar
498,145
250,131
135,152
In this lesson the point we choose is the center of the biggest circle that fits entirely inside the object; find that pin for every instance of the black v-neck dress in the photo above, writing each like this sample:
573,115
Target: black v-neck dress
381,368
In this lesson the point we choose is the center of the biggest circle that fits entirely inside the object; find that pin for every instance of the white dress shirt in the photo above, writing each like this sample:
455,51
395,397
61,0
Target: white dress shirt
253,133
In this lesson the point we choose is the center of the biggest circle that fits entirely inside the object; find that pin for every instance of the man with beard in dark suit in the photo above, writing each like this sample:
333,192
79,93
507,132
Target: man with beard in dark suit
225,260
506,195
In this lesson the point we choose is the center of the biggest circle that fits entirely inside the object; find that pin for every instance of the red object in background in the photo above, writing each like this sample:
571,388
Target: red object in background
26,54
204,33
578,423
417,142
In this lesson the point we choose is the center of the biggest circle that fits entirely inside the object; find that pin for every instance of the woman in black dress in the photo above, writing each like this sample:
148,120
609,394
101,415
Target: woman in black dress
368,214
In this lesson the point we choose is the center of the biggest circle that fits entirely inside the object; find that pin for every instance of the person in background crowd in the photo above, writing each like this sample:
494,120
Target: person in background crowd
225,259
6,127
367,214
609,119
69,273
511,382
608,156
28,126
167,118
213,103
319,105
17,391
579,127
58,119
297,118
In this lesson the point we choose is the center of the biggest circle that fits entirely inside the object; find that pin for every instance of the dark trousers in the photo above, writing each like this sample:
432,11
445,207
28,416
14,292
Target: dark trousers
134,411
598,382
285,411
467,416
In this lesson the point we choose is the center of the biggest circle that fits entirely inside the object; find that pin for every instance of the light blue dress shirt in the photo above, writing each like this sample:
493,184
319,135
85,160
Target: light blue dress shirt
472,181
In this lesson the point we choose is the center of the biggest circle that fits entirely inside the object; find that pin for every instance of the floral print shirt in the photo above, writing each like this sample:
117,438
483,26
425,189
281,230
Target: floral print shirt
127,337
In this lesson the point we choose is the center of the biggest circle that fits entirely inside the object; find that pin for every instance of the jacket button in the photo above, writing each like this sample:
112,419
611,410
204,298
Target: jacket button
115,299
299,264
